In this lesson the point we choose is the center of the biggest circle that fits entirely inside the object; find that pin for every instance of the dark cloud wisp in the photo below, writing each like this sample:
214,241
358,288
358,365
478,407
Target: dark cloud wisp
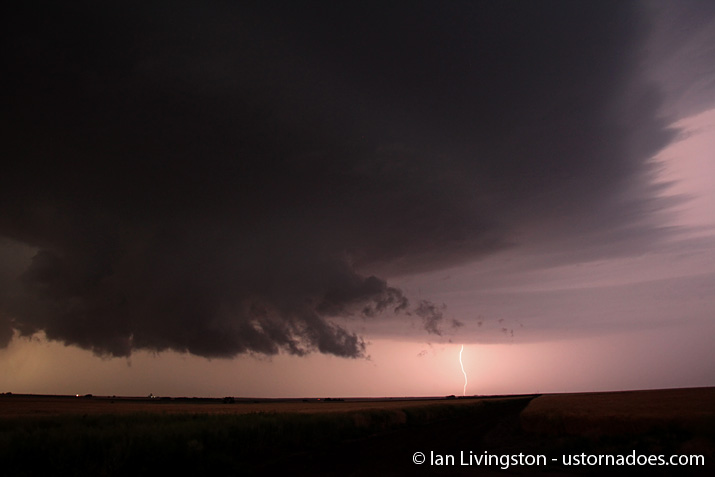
222,179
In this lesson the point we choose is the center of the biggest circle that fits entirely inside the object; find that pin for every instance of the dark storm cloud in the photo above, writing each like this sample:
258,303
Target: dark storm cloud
224,178
431,317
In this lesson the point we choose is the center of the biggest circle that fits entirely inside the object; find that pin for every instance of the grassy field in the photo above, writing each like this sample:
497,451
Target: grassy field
42,435
37,406
102,436
658,422
622,413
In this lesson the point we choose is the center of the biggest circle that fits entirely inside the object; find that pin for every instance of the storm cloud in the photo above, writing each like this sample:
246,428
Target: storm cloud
225,178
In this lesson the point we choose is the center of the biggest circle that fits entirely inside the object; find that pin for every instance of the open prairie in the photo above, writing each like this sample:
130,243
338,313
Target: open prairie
122,436
36,406
628,412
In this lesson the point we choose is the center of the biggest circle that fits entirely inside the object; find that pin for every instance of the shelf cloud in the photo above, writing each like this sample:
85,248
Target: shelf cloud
247,178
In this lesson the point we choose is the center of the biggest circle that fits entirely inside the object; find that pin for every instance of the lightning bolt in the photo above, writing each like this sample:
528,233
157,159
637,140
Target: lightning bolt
464,389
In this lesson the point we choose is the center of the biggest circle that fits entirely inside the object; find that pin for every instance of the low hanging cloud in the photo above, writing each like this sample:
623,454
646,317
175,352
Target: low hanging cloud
243,179
433,318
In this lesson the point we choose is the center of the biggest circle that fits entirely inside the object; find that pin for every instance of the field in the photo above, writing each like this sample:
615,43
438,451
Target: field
622,413
36,406
125,436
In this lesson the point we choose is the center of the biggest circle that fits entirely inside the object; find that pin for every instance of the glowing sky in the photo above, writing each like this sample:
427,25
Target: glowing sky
283,199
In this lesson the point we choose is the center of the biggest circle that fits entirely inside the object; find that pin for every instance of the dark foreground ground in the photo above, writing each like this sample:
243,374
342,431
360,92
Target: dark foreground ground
561,427
53,436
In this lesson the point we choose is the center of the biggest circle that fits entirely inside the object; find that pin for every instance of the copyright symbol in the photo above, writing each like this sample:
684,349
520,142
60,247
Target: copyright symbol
418,458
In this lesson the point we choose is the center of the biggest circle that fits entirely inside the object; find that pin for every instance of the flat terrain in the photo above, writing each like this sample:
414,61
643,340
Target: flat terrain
119,436
628,412
45,406
691,407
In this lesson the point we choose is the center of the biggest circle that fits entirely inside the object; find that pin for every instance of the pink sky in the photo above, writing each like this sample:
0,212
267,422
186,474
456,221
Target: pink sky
624,339
555,253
